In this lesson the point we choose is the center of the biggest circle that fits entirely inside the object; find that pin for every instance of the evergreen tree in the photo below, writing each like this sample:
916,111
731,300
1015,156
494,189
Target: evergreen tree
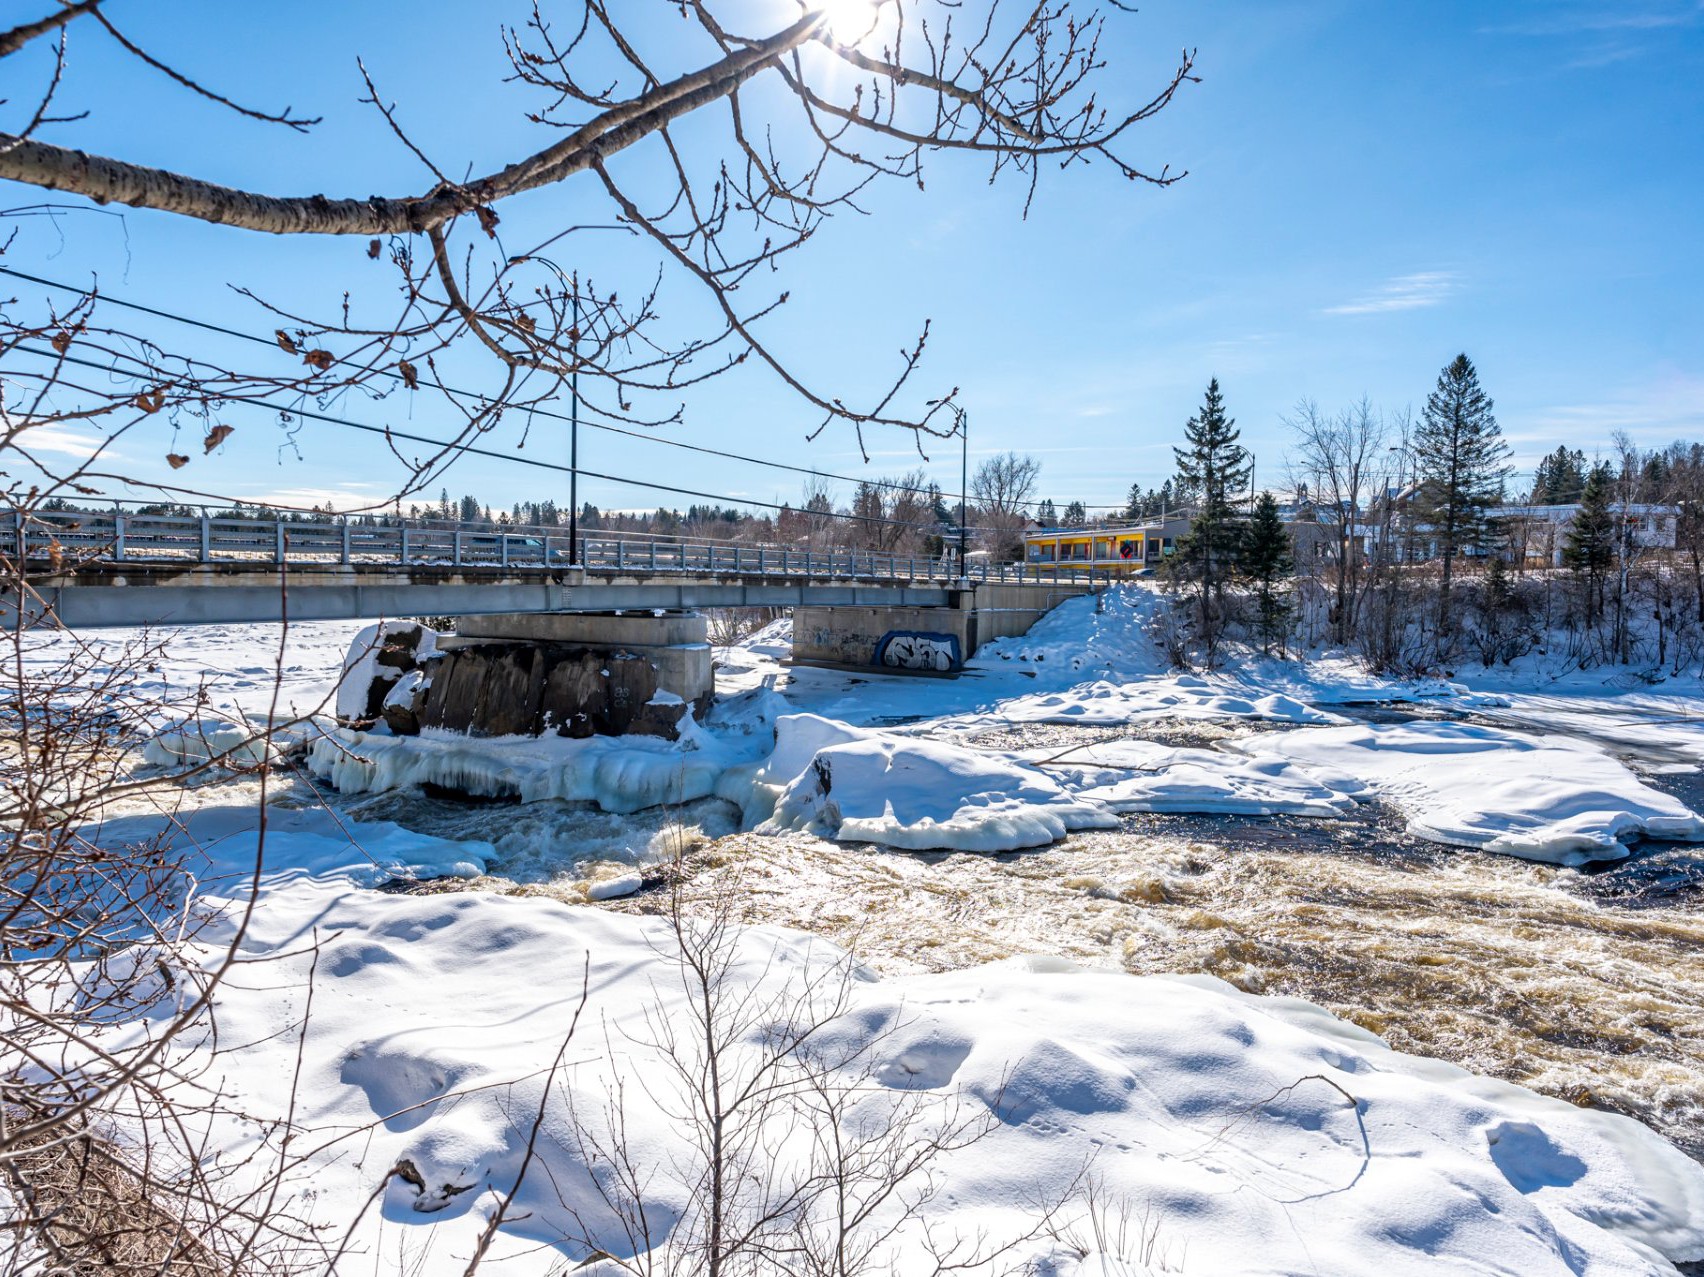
1075,515
1559,477
1267,560
939,511
1460,457
1046,515
1215,466
1590,545
469,510
1136,505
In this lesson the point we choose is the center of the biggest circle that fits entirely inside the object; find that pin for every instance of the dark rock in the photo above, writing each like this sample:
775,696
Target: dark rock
400,649
507,688
404,720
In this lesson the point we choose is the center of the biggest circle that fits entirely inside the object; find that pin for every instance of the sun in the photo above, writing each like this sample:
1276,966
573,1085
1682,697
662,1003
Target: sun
849,21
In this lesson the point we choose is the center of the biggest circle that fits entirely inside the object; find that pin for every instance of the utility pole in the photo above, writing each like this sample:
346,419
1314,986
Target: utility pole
964,492
574,439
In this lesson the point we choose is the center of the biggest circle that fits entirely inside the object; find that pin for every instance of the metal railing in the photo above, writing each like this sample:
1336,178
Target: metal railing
67,538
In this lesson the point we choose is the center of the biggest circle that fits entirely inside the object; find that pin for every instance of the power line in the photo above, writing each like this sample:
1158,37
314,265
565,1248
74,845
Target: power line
542,412
536,463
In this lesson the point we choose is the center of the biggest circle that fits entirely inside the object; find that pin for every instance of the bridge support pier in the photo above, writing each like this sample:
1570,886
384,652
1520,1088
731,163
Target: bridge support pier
573,673
923,639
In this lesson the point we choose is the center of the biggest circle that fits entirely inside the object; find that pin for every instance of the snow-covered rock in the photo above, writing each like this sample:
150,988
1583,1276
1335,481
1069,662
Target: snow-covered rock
378,656
1551,799
1137,775
859,785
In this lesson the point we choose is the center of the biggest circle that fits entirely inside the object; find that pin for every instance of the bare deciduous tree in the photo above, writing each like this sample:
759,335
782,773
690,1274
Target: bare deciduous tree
1343,461
797,120
1001,489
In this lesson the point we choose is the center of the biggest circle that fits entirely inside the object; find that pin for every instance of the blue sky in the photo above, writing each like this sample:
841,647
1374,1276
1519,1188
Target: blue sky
1372,188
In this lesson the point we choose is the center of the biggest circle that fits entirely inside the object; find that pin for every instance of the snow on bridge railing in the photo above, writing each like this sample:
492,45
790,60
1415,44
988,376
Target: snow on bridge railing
66,538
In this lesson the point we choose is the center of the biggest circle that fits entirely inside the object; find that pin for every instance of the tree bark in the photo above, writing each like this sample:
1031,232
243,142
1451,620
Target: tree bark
110,181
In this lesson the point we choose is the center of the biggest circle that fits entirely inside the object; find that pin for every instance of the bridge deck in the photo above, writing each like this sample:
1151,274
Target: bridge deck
94,570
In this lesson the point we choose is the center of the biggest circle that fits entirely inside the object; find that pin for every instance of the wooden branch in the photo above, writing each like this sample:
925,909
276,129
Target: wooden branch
902,76
15,39
107,180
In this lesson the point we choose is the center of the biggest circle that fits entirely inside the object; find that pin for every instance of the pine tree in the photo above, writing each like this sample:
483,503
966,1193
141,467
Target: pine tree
1267,560
1559,477
1590,545
1075,515
1460,457
1213,466
1046,515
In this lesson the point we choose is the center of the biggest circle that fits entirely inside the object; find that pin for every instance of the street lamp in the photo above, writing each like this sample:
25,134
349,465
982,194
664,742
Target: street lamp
572,284
574,440
964,491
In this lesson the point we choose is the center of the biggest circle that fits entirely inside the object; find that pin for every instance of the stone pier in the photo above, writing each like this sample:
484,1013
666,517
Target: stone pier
532,673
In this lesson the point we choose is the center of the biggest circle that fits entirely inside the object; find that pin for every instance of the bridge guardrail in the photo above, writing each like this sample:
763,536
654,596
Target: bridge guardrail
69,536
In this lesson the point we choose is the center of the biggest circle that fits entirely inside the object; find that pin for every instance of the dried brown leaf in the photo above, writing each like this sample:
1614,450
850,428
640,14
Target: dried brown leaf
176,460
284,342
216,436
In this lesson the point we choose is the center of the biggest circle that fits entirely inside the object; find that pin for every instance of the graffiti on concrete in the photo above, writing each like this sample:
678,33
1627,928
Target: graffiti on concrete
914,650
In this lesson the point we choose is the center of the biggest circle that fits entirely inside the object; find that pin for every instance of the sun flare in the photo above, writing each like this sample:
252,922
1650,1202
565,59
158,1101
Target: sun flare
849,21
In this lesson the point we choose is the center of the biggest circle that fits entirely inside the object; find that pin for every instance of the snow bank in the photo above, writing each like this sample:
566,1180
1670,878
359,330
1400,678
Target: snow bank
1099,703
1259,1135
863,786
618,773
1135,775
1557,800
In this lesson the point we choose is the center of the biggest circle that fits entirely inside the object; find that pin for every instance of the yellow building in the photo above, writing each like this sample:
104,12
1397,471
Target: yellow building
1134,549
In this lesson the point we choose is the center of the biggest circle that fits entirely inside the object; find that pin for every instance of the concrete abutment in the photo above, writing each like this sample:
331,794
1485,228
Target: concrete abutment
924,639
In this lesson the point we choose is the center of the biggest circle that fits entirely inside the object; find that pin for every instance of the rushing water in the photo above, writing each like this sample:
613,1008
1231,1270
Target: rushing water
1586,985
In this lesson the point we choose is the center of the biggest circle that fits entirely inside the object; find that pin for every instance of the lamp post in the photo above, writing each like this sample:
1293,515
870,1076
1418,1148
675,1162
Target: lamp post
574,441
572,285
964,492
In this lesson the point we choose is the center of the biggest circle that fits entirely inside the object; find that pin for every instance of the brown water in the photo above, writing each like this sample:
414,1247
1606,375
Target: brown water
1588,986
1504,967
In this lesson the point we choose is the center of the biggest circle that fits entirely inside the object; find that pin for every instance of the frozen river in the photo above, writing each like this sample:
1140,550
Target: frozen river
1586,985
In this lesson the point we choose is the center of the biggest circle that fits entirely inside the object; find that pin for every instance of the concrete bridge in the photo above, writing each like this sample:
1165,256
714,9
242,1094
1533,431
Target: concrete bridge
609,643
113,569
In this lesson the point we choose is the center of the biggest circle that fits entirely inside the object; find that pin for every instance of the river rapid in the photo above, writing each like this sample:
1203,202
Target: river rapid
1584,985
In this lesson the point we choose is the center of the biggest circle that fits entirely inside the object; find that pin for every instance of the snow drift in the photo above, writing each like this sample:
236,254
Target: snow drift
1562,801
1262,1135
857,785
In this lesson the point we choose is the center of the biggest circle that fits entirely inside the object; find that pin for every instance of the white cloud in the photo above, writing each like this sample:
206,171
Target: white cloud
1670,407
347,496
62,441
1575,19
1405,292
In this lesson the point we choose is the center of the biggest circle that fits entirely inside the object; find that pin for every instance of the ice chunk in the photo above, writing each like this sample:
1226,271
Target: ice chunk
922,795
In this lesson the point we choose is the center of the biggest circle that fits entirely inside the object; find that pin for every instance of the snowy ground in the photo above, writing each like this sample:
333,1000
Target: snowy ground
923,785
1255,1134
